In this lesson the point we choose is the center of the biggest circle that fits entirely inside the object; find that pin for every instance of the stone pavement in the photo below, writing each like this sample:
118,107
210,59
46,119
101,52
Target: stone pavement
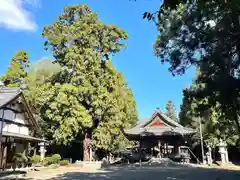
134,173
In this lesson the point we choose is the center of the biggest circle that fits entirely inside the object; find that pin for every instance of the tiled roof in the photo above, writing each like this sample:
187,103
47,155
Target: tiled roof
8,94
159,131
22,136
174,128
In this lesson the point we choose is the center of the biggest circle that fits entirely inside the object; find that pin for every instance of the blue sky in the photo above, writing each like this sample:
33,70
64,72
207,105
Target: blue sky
21,23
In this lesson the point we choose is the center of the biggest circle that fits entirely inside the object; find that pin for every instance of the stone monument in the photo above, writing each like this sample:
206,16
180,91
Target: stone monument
223,151
209,156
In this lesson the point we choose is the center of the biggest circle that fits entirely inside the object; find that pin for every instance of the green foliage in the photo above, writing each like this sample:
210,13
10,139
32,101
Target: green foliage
203,34
16,73
64,162
214,121
121,114
20,158
56,158
39,90
80,91
35,159
171,111
88,94
48,161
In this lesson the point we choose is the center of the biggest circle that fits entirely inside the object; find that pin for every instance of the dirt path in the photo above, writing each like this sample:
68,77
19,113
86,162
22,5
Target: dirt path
135,173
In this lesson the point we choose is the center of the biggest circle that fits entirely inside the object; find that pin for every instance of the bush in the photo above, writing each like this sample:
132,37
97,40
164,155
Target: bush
64,162
56,158
20,159
35,159
48,161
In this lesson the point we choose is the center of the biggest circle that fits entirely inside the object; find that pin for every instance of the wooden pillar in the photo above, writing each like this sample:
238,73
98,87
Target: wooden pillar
35,150
159,147
4,156
140,161
25,151
1,155
152,152
167,148
176,148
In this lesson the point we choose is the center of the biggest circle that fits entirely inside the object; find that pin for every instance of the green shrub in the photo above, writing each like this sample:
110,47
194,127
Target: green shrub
35,159
48,160
20,159
56,158
64,162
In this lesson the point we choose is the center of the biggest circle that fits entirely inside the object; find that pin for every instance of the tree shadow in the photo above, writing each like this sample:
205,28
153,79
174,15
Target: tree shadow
158,173
9,174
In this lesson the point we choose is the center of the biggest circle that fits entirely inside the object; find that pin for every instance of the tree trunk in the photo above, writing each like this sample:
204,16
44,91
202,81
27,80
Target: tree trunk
214,154
86,148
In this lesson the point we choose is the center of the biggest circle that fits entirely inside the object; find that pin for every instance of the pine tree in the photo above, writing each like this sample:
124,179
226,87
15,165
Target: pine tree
17,70
171,111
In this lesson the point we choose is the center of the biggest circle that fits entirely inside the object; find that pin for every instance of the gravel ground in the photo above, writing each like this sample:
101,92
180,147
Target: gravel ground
134,173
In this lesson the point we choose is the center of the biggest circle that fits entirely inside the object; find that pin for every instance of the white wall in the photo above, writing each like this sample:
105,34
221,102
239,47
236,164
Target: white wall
15,117
24,130
14,128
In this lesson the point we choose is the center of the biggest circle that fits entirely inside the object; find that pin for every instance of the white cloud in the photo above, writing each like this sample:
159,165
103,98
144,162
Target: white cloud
14,16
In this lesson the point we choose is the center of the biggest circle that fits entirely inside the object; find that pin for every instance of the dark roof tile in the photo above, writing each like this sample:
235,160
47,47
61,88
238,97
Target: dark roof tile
8,94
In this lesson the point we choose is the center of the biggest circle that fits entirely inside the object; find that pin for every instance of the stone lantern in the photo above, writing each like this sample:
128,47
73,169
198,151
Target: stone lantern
223,151
209,156
42,150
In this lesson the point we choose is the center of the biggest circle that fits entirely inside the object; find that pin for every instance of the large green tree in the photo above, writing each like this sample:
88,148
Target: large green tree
203,34
17,70
197,109
87,91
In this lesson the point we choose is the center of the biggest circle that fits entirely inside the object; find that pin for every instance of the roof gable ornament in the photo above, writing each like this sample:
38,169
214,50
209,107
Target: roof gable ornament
157,123
159,119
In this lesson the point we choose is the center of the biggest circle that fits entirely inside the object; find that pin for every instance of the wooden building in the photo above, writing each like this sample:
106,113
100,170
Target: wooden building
17,126
160,134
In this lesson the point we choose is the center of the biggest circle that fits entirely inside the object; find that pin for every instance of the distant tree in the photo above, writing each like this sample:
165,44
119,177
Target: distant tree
171,111
17,70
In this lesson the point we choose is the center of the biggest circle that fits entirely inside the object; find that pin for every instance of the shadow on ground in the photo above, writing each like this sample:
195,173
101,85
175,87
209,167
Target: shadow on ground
9,174
153,173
